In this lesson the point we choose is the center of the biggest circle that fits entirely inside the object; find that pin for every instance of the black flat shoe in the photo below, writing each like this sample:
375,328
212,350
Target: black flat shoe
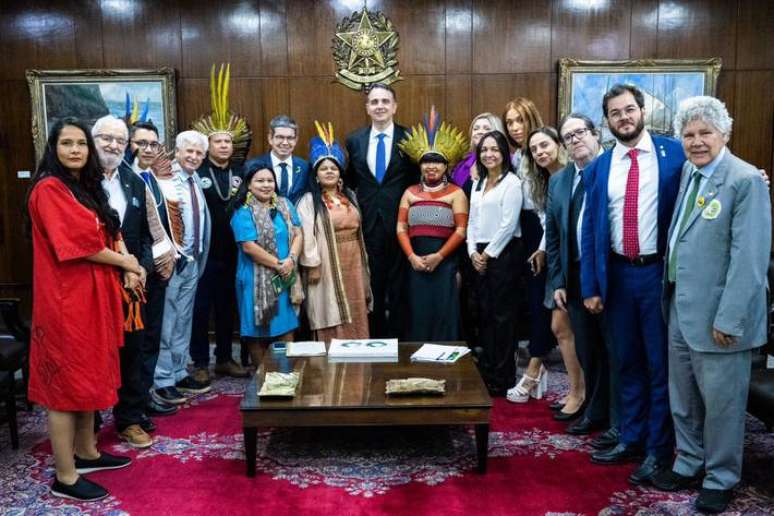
649,468
585,426
713,500
104,461
556,406
83,490
565,416
605,440
619,454
155,408
668,480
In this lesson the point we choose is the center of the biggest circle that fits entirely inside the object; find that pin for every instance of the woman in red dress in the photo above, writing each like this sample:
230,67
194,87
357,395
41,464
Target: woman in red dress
77,318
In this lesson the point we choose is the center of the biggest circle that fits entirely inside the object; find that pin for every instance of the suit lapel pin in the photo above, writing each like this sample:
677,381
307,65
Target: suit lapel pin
700,202
663,152
712,210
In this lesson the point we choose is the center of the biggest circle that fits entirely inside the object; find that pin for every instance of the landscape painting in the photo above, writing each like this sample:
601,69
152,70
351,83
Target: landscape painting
132,95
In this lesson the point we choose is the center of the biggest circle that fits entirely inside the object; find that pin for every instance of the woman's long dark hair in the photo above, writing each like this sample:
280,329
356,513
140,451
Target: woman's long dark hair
316,191
502,145
538,175
241,196
87,188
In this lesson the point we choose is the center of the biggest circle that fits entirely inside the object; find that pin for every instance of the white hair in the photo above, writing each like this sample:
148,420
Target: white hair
100,124
706,109
195,138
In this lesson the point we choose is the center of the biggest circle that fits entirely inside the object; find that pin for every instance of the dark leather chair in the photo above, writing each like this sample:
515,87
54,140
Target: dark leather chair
760,401
8,395
14,342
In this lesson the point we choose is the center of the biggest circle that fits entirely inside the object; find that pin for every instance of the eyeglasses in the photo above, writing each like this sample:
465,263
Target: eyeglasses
154,146
108,138
576,134
284,138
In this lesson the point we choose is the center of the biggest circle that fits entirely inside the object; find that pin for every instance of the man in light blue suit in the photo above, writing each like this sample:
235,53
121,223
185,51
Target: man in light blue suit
714,299
292,172
630,195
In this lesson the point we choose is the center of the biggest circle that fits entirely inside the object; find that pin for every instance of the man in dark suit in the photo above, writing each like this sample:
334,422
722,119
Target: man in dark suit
144,146
630,195
126,195
220,177
564,205
291,171
379,172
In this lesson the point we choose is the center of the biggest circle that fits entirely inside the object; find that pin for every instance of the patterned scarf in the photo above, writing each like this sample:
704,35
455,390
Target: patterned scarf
265,297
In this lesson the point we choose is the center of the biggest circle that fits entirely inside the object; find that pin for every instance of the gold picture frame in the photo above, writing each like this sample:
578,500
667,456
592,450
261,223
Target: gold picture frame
664,83
91,94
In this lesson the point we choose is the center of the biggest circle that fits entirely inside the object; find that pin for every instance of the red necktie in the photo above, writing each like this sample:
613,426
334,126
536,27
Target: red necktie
631,238
195,206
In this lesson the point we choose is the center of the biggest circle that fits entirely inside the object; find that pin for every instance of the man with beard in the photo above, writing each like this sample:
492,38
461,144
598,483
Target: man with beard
145,148
126,195
630,195
564,207
219,178
183,188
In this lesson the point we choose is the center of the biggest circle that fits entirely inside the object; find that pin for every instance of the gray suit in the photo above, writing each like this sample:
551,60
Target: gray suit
179,298
720,283
563,264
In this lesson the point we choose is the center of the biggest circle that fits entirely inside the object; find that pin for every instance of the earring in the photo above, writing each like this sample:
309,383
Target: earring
340,185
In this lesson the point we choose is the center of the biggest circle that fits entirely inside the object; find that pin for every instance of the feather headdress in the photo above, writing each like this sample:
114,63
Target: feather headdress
435,137
324,146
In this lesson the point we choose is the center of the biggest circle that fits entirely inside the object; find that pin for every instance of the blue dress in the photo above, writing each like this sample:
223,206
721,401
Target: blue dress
245,231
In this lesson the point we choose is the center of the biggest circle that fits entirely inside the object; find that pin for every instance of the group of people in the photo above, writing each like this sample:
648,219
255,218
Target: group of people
645,263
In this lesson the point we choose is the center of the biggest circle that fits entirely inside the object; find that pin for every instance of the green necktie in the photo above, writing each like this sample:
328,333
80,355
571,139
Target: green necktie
672,269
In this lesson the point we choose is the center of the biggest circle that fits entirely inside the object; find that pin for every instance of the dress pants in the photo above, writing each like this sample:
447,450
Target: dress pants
154,315
216,291
541,338
130,408
497,303
708,395
591,349
176,327
387,265
637,329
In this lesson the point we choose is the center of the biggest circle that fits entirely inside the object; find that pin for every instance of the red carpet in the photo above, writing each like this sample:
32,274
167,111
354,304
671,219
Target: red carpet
197,466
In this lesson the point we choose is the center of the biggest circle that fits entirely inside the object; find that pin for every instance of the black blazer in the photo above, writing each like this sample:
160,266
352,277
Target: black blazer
379,200
134,228
558,200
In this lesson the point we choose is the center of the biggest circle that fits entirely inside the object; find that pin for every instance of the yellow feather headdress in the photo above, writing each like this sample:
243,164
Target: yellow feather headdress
435,137
222,120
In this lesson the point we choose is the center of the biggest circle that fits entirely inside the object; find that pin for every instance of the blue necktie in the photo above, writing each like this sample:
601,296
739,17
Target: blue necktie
283,189
381,158
145,177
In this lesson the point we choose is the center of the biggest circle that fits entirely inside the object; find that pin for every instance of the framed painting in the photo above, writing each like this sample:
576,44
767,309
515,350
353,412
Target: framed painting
91,94
663,82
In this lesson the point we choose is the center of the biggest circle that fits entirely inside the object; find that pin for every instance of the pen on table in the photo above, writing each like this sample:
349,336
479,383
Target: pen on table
441,355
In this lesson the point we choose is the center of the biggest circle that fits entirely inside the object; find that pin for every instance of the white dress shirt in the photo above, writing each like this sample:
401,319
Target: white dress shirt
275,164
373,139
494,216
115,193
575,182
647,203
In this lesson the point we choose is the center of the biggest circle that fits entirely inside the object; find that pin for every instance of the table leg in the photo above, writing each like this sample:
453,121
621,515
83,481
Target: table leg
251,449
482,446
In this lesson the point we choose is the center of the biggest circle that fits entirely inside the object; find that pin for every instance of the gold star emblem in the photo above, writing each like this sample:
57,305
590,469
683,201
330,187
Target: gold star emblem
365,43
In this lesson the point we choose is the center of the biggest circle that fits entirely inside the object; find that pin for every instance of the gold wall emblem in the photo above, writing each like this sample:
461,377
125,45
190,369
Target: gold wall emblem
365,50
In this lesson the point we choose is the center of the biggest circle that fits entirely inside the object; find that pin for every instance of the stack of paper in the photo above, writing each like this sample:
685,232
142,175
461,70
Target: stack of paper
306,348
366,350
440,354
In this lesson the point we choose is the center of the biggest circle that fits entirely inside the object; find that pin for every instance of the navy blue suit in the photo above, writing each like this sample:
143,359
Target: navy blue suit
300,174
631,296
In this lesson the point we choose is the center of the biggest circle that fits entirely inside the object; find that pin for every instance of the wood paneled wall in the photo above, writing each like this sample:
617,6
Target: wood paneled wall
466,56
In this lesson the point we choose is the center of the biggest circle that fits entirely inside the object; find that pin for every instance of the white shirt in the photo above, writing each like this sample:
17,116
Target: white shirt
575,182
115,193
647,201
177,188
494,216
275,164
373,140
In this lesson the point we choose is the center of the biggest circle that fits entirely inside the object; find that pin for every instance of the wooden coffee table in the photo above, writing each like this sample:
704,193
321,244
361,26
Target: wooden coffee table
352,394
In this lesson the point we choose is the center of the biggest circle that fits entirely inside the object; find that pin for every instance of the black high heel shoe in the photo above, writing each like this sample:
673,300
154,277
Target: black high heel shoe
556,406
565,416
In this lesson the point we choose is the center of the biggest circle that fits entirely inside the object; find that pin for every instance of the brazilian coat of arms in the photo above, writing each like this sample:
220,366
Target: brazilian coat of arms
365,50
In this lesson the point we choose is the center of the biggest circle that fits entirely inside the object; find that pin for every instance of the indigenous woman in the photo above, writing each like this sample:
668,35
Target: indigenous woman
465,171
77,317
495,248
432,220
268,237
545,157
333,259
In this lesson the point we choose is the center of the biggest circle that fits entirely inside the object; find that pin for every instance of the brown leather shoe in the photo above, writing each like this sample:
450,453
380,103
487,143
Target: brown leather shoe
136,437
201,375
231,368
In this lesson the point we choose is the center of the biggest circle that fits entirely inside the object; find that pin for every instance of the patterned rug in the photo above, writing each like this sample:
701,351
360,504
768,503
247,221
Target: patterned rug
196,466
